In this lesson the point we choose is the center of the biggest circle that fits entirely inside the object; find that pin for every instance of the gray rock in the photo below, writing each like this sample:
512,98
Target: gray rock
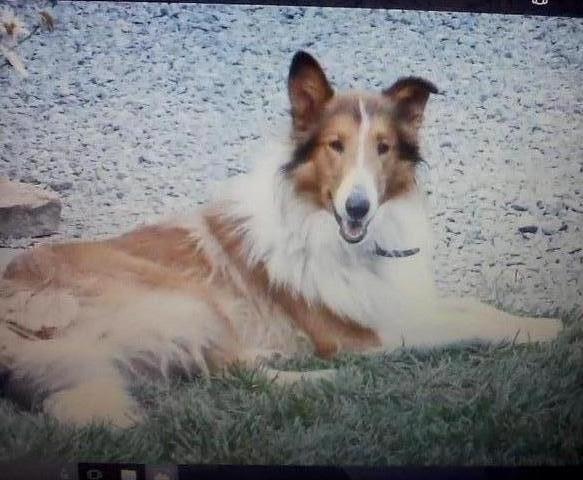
27,210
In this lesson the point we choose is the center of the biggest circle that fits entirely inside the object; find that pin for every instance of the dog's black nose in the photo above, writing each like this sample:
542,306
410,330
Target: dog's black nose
357,205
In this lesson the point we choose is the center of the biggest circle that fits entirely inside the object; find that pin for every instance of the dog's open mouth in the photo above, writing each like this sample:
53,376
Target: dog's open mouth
352,231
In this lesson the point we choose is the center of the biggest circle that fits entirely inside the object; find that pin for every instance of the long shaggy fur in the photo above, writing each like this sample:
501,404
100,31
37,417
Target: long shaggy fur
260,270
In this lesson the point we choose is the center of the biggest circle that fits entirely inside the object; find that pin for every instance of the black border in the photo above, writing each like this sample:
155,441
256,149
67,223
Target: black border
562,8
47,470
290,472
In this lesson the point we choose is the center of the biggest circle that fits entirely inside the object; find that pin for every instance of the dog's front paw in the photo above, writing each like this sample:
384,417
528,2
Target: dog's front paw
533,329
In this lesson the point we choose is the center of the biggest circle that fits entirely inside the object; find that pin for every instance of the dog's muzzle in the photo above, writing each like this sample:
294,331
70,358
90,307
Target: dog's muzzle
352,231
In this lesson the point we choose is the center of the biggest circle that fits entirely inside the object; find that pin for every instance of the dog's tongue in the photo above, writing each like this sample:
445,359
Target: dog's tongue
352,232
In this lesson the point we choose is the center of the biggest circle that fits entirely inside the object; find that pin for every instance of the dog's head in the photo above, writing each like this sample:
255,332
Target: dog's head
353,151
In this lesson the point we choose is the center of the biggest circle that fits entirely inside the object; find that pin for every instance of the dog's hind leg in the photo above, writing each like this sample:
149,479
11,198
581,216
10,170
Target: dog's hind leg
72,388
74,382
284,377
83,373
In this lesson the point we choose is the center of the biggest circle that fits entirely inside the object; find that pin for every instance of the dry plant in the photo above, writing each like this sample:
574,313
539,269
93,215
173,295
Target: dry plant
14,31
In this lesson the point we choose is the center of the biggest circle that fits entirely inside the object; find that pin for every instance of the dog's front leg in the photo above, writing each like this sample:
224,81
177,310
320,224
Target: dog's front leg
454,320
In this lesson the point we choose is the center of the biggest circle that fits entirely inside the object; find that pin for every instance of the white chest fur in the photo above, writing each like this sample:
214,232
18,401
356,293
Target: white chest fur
303,251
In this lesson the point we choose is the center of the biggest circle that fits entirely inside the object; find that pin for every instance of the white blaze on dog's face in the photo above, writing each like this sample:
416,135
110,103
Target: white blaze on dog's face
353,151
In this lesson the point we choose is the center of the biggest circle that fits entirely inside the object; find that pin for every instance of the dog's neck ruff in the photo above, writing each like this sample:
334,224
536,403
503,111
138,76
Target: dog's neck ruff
301,251
279,226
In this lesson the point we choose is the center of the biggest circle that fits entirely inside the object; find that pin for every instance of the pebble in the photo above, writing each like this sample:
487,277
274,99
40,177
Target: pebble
528,229
61,186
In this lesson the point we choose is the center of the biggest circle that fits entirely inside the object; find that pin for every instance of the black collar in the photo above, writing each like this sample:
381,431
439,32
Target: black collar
381,252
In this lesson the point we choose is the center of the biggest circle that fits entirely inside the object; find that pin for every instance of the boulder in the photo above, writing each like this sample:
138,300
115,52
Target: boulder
27,210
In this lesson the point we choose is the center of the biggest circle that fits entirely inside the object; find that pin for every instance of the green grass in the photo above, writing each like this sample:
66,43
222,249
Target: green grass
461,405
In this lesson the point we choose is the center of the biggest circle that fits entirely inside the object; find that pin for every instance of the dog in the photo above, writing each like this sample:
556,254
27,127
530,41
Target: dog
323,248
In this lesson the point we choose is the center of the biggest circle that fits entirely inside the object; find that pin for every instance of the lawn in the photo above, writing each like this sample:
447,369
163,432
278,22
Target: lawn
467,405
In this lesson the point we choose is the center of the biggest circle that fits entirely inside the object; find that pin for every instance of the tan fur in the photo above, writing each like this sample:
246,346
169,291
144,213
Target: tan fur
328,332
166,258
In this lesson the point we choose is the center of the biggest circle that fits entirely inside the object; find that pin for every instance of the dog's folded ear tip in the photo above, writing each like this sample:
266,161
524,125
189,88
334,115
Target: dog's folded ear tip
433,89
302,56
300,60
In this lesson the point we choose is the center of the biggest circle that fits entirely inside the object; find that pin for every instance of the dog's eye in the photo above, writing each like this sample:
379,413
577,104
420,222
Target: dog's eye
382,148
337,146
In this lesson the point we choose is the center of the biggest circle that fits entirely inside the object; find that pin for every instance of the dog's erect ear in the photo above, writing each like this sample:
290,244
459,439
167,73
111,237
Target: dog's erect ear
409,95
308,90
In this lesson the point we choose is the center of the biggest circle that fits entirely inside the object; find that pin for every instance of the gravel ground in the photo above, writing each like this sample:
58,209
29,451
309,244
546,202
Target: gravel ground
132,112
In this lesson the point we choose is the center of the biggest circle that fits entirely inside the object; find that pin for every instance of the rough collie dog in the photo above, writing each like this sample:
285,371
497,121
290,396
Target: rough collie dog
323,248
